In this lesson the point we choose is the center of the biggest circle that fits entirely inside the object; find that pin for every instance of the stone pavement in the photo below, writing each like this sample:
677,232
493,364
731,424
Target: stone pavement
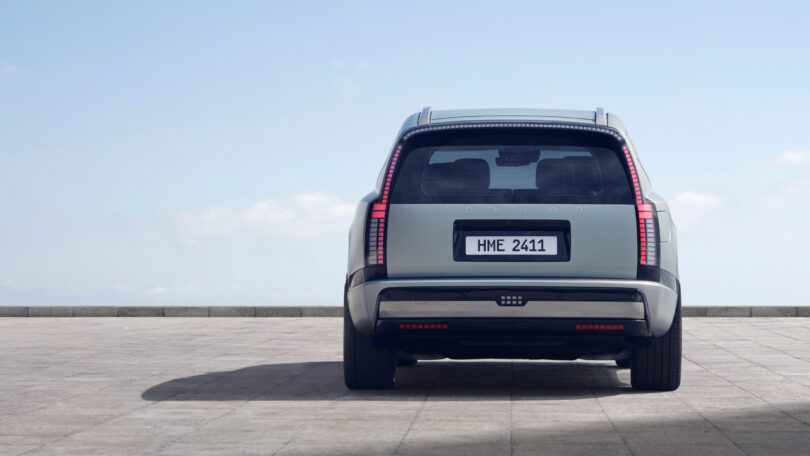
189,386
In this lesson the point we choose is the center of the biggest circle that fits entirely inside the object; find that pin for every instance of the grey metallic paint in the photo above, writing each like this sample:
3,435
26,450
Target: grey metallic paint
415,238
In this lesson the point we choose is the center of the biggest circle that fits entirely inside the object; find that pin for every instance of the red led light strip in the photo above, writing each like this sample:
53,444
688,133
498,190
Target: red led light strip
379,210
423,326
644,210
599,327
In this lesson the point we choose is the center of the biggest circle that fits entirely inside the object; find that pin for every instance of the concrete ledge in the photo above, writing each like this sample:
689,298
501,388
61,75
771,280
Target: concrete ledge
13,311
325,311
278,311
774,311
232,312
322,311
694,311
728,311
50,311
141,312
95,311
185,312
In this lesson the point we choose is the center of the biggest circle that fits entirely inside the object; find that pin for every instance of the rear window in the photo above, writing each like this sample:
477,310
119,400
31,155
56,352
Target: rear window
519,168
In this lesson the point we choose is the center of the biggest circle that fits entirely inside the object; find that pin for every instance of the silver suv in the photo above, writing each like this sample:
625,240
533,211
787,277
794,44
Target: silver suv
512,233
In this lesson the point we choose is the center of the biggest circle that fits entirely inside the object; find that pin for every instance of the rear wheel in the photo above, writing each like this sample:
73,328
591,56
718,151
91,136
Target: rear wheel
365,366
658,367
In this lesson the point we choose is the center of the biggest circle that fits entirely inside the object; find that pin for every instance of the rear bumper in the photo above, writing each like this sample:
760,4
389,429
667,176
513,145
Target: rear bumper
555,302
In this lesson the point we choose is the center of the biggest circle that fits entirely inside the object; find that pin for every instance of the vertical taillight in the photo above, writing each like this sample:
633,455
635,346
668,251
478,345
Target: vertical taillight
377,215
647,238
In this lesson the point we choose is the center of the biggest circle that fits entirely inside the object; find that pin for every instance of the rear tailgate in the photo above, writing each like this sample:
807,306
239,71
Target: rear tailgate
423,241
512,204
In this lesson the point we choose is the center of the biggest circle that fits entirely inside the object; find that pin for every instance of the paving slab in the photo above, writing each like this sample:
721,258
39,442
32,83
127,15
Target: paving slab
177,386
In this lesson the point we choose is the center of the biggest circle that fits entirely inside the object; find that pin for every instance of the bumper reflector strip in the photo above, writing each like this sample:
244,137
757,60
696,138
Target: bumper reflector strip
599,327
418,326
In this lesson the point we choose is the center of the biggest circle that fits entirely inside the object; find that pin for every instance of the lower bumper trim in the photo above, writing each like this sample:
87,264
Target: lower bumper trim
509,327
532,338
631,310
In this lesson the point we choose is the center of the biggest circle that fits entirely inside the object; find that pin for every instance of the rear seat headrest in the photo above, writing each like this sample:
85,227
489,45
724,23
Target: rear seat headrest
468,174
569,176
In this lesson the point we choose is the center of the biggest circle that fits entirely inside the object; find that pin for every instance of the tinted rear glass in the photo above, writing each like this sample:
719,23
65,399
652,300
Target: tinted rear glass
519,168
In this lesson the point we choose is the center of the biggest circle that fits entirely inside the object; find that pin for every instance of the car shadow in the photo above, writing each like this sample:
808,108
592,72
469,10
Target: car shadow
449,380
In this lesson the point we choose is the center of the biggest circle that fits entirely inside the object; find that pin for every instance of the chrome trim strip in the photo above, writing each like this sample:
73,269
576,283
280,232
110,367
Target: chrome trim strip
533,309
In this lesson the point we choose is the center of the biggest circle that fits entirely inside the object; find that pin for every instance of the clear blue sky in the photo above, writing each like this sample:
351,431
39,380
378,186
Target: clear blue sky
209,152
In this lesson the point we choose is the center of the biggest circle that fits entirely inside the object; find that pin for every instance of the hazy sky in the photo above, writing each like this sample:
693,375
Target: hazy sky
212,152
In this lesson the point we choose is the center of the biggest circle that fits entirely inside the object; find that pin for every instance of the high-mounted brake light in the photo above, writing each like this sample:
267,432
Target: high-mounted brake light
647,240
379,210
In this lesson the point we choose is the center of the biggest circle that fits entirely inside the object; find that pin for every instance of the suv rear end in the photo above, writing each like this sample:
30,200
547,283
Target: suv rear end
512,234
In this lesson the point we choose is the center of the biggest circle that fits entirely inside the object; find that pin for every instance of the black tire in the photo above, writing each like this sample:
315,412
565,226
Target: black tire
365,366
405,362
623,363
658,367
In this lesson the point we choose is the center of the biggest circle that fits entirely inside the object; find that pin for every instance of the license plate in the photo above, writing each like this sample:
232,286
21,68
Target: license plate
511,245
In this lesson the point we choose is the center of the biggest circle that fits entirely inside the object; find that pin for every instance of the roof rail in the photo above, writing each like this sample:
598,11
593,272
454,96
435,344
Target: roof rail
424,116
599,116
